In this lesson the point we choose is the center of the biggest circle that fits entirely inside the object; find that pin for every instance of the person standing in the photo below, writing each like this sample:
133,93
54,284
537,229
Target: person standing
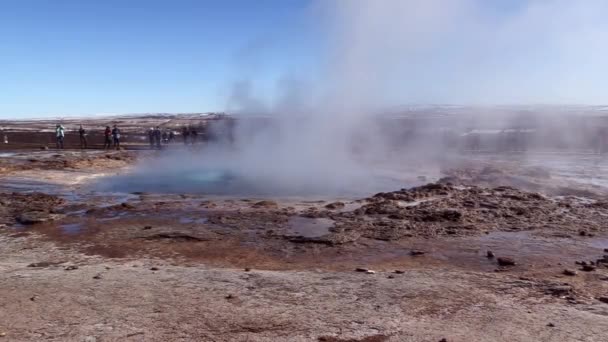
171,136
116,137
157,136
193,136
107,138
59,135
185,134
83,137
151,137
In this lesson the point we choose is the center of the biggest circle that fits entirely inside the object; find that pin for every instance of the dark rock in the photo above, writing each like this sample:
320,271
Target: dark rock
153,268
229,297
502,261
147,227
399,272
605,250
43,264
126,205
443,340
247,269
603,299
390,276
490,254
174,236
570,272
588,268
34,217
559,290
416,252
551,325
361,269
582,233
266,204
97,276
335,206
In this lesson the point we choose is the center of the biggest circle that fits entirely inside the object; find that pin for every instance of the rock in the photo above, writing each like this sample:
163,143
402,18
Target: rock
71,268
570,272
153,268
229,297
34,217
370,272
560,290
416,252
605,250
361,269
443,340
175,236
603,299
266,204
42,264
551,325
247,269
390,276
97,276
588,268
502,261
147,227
490,254
126,205
44,148
399,272
335,205
582,233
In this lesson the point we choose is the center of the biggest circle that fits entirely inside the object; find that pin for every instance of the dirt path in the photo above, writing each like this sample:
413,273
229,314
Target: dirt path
151,300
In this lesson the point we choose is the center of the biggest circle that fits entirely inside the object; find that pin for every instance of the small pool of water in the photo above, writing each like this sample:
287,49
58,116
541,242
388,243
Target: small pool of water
309,227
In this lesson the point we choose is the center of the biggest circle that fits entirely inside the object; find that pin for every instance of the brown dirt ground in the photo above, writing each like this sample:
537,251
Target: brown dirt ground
151,267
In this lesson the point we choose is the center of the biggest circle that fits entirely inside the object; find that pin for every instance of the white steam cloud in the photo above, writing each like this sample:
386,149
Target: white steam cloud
322,136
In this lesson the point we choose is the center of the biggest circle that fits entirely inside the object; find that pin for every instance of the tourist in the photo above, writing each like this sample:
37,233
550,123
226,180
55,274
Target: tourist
83,137
151,137
186,134
59,135
107,134
157,136
116,137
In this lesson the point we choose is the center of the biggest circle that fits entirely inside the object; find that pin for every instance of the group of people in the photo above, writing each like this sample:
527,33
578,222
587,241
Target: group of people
190,135
156,137
111,137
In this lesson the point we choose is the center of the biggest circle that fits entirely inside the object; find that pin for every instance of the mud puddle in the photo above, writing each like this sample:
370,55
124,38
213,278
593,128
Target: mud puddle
309,227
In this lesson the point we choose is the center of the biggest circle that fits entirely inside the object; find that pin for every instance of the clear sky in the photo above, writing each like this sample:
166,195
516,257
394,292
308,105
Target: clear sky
71,57
81,57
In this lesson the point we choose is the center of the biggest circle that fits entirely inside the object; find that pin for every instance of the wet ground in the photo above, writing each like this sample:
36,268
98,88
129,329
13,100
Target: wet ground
499,225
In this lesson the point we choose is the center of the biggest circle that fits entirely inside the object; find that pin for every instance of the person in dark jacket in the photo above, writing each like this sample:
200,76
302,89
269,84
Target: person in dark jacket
151,137
157,137
83,137
185,134
116,137
107,138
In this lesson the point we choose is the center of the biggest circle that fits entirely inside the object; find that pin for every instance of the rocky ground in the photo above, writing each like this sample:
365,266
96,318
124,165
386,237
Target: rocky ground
471,257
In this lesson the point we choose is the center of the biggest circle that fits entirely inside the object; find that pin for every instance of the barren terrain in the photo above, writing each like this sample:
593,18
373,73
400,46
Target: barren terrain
494,250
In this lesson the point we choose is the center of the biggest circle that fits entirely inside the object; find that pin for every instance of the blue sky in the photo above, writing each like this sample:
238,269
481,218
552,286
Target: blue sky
71,57
80,57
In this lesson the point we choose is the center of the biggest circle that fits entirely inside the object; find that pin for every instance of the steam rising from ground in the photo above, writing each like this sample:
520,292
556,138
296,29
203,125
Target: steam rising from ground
322,134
